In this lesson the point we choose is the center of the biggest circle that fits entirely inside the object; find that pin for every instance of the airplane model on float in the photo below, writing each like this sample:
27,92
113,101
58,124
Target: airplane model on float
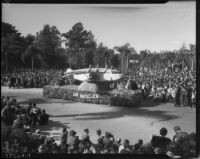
104,74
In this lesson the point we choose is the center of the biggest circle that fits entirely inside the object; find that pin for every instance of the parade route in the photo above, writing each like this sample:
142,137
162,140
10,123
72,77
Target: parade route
130,123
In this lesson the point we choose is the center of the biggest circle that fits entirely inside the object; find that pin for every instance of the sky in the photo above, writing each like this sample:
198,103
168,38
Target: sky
153,27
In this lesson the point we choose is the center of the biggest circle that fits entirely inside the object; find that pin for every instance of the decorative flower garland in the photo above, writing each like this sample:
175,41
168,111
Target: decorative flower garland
101,97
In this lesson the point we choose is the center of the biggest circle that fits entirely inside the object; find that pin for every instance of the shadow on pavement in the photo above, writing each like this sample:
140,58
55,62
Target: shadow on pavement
45,100
124,111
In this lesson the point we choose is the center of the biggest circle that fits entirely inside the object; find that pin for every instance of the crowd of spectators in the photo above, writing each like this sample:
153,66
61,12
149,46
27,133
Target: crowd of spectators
27,78
17,137
167,85
18,116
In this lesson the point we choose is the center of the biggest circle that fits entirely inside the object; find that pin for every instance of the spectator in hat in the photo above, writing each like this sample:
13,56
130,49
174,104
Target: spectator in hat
177,97
63,140
86,137
72,141
33,113
140,142
179,136
127,147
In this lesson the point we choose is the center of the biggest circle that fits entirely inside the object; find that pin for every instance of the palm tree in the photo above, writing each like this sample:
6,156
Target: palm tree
125,51
33,52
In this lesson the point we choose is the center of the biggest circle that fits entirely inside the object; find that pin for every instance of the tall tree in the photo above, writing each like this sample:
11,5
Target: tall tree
48,41
11,46
32,55
125,51
115,60
80,44
99,55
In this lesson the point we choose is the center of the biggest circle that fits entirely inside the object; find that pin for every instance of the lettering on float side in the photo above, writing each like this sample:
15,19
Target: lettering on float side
89,95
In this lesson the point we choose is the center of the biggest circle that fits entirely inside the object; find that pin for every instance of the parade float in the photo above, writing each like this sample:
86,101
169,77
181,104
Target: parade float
94,85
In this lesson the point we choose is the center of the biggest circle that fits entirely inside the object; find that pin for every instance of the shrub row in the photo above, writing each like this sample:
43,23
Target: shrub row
70,92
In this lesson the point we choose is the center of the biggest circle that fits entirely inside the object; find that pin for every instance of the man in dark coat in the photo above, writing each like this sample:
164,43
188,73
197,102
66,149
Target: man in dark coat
161,141
43,118
189,96
33,114
63,140
177,96
134,85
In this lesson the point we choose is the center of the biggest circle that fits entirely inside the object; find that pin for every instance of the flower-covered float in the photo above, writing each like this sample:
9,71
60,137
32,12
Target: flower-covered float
94,85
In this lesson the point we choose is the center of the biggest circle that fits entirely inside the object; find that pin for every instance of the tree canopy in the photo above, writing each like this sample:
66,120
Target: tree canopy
44,50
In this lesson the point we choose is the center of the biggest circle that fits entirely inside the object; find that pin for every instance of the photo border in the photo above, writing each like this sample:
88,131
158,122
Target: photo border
119,156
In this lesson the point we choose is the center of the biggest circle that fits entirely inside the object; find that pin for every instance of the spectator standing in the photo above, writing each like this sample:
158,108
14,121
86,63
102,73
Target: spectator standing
34,115
189,96
177,96
43,118
63,140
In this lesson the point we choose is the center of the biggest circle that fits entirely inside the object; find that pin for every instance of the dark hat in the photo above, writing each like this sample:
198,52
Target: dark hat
98,131
72,132
64,129
86,130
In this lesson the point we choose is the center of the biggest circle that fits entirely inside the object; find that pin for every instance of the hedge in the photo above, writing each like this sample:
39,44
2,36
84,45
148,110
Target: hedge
115,97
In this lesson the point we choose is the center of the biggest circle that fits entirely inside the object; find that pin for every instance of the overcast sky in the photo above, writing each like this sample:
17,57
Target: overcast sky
153,27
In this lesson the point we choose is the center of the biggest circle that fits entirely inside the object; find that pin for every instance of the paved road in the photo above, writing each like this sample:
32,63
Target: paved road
130,123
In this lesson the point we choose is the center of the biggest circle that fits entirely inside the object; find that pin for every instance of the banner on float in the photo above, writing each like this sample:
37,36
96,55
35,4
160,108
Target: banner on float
85,95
